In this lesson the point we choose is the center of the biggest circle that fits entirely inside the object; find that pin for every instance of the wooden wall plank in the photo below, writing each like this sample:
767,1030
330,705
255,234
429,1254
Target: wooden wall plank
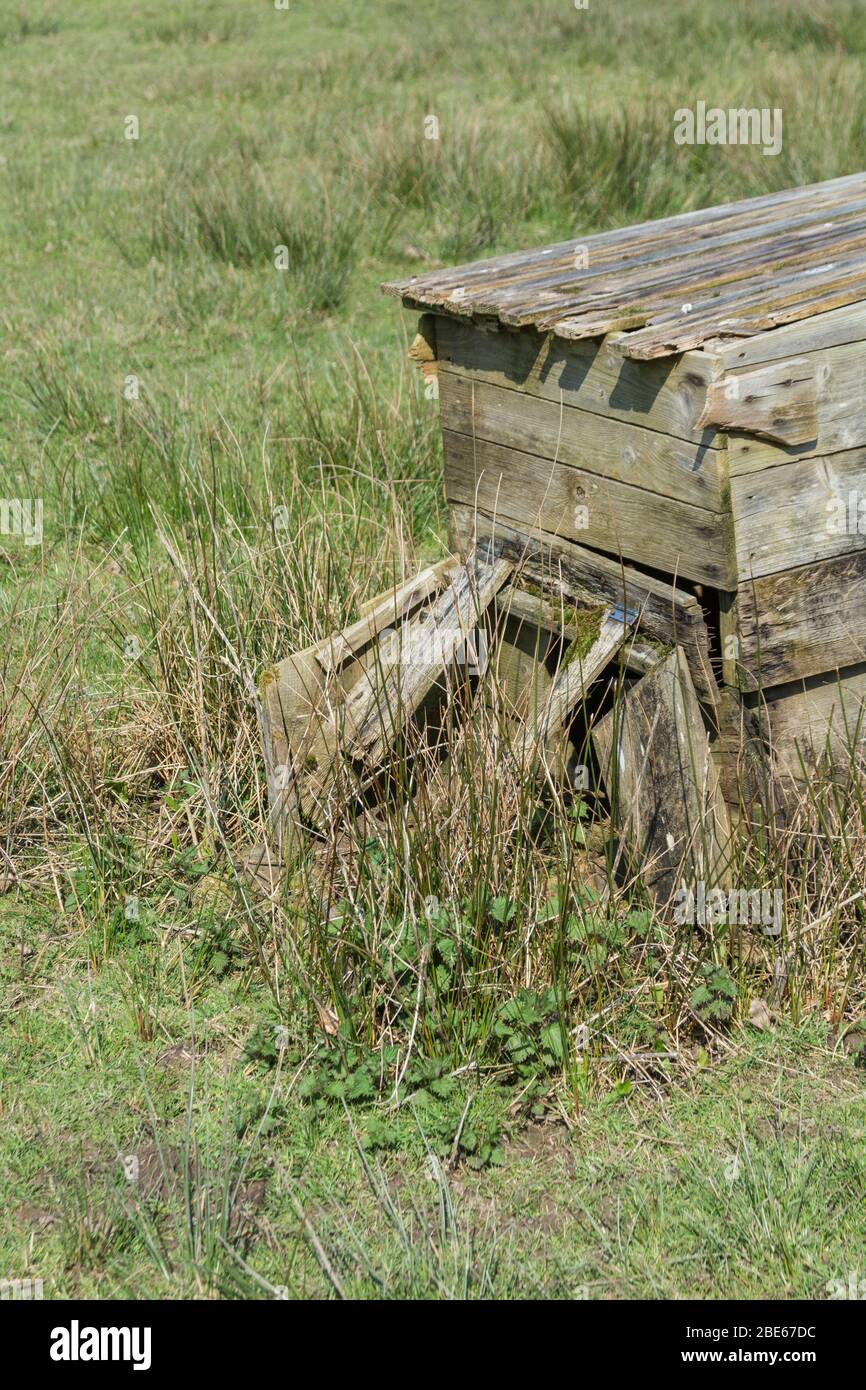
820,722
802,621
829,330
598,512
840,413
627,453
784,517
663,396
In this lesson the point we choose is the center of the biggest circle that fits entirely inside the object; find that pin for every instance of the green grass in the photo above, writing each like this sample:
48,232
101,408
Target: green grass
739,1180
202,381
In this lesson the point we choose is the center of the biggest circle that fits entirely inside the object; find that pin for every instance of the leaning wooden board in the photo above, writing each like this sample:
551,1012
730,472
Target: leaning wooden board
663,785
570,573
392,688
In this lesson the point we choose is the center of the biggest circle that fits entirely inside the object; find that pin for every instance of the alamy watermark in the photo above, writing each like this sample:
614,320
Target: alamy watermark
22,516
21,1290
426,647
714,907
846,516
77,1343
853,1287
736,126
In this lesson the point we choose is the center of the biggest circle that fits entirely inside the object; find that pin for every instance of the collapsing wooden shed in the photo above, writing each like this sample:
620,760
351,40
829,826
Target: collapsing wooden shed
655,451
673,416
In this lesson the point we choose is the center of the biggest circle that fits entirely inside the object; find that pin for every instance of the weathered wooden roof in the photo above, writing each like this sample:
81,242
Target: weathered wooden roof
671,285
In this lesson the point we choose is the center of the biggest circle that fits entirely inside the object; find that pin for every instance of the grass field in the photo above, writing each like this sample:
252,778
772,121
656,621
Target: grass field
207,1094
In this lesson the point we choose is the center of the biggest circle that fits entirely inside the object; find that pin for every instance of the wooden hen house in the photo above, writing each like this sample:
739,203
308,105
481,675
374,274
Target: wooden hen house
671,418
655,465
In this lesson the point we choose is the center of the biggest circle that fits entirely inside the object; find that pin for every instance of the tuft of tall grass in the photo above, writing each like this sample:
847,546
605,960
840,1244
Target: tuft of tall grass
231,213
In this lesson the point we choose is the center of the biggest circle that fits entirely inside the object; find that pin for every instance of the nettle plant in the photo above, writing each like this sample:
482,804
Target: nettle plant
715,995
419,1101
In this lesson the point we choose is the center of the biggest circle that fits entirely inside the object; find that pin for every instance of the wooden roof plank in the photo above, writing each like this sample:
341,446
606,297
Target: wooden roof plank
743,268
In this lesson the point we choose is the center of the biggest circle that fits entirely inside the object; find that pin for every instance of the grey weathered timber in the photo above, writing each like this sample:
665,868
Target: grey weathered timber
601,513
663,397
802,622
293,705
746,775
301,695
387,610
574,678
727,271
521,679
818,724
549,616
800,514
663,786
833,329
778,402
686,472
569,573
681,401
840,413
394,686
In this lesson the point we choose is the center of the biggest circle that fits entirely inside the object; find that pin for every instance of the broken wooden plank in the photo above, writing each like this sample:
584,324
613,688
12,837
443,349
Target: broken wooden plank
576,673
569,573
292,698
777,402
664,791
393,688
389,608
638,655
840,407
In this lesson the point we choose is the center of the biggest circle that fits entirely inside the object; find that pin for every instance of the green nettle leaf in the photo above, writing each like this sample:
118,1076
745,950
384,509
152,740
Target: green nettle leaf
638,920
359,1085
444,1087
713,997
502,910
447,948
552,1040
219,963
